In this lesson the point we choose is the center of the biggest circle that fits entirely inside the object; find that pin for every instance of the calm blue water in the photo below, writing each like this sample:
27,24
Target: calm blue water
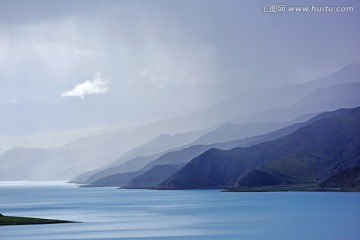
109,213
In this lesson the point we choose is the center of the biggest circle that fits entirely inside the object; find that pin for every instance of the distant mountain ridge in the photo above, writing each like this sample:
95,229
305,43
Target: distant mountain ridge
323,99
96,152
311,154
177,155
231,131
185,155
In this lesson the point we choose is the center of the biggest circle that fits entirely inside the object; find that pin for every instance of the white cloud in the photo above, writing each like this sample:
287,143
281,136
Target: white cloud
90,87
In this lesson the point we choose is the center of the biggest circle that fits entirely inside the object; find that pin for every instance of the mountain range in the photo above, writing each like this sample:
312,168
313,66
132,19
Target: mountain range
183,156
315,154
320,100
143,147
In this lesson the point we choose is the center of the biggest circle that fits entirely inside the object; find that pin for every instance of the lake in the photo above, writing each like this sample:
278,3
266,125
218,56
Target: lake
110,213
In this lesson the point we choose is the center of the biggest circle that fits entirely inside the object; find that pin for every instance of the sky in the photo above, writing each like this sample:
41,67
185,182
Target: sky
151,59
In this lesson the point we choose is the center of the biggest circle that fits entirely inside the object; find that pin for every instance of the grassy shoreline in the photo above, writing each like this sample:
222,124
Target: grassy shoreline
12,220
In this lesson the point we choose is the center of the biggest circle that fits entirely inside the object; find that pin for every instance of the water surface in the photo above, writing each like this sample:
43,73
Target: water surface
110,213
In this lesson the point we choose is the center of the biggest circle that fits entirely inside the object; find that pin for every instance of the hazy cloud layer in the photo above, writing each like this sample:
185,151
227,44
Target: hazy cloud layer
90,87
164,58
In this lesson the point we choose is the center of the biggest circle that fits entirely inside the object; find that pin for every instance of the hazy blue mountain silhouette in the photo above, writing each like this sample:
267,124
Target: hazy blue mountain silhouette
323,99
99,151
311,154
185,155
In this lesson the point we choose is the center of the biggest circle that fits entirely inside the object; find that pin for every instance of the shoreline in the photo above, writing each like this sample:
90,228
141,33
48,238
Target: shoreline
14,220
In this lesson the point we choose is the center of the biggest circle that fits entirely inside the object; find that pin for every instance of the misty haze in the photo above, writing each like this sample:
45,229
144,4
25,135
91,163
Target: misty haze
248,108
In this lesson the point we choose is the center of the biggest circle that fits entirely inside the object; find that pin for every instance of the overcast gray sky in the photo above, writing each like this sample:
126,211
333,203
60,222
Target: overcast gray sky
159,58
